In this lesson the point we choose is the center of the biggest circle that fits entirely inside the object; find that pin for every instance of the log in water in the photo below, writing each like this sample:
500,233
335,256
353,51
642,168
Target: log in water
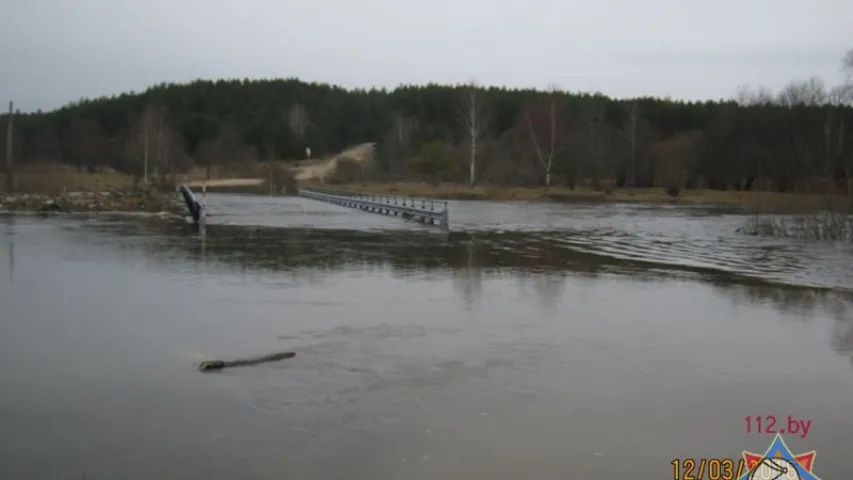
209,365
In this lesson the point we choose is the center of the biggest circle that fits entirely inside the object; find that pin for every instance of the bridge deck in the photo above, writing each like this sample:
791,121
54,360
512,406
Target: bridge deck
420,209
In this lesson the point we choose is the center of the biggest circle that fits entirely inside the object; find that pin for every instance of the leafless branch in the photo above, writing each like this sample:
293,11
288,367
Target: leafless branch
806,92
550,110
847,65
748,95
474,118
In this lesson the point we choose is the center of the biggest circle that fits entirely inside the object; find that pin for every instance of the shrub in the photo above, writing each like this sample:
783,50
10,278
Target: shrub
281,179
347,170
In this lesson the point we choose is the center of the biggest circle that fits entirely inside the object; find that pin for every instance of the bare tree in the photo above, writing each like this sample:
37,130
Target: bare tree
847,66
805,92
152,138
841,95
298,119
474,119
404,126
631,133
674,158
747,95
164,142
543,124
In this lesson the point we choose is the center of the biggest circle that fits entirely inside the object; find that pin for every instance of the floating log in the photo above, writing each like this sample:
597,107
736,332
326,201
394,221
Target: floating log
209,365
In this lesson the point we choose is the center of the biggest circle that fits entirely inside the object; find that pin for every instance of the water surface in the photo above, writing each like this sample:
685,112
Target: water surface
535,341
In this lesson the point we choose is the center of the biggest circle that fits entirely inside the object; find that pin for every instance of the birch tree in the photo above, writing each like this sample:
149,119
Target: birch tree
153,138
473,118
543,125
298,120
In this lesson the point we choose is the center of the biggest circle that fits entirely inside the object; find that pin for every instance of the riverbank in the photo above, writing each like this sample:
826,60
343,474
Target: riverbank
751,200
76,202
51,182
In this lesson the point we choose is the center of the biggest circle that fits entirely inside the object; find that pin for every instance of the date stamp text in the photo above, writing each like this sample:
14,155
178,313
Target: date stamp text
707,468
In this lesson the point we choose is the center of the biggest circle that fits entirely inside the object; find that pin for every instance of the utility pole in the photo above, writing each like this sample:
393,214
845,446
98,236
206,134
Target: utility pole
10,181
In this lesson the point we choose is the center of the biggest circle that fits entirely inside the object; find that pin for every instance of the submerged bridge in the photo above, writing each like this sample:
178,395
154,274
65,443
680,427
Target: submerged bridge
417,209
410,208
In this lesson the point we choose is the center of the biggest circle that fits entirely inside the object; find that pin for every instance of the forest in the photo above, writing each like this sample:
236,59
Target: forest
799,139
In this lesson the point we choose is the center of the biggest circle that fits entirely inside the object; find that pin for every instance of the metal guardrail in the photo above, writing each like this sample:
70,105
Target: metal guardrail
419,209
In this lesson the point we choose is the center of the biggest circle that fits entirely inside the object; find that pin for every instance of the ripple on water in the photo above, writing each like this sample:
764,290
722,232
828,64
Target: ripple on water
286,233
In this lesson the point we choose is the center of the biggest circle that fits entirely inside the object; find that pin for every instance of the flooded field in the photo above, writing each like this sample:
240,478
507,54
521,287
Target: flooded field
534,341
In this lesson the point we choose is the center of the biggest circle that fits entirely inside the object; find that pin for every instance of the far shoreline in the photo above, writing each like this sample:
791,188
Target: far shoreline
759,200
116,191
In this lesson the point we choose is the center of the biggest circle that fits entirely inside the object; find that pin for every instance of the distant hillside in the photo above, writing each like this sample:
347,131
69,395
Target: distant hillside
426,132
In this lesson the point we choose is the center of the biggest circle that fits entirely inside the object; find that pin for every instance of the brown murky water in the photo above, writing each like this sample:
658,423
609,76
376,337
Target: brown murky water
536,341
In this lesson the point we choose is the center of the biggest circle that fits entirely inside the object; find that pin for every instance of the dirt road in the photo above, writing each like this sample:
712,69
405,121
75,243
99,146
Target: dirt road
319,170
307,170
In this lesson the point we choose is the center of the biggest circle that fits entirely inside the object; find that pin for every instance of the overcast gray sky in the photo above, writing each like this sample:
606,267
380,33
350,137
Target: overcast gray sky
56,51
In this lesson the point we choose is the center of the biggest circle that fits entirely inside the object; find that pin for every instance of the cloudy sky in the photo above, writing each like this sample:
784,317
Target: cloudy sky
56,51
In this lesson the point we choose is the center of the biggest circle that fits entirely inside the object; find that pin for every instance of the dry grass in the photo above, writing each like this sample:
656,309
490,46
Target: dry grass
54,180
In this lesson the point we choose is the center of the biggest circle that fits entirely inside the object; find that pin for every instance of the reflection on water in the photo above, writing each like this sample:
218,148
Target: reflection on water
538,266
533,342
10,241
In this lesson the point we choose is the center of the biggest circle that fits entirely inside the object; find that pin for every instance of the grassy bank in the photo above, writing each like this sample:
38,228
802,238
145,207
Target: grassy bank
62,189
59,179
749,199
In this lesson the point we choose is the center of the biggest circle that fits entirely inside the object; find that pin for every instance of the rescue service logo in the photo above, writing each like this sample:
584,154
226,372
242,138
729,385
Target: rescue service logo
778,463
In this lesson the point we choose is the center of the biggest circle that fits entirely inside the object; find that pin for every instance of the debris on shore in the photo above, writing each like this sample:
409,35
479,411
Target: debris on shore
91,201
210,365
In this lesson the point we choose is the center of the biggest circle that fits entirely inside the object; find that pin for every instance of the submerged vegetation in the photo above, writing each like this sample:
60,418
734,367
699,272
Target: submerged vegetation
829,218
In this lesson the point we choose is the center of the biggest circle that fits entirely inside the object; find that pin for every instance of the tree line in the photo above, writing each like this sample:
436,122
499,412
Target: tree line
797,139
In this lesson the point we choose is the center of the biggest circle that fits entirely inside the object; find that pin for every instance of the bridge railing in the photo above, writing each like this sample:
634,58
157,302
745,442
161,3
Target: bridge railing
425,210
395,200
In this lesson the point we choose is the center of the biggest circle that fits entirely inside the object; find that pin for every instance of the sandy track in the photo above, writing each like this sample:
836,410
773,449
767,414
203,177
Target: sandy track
362,153
317,169
227,182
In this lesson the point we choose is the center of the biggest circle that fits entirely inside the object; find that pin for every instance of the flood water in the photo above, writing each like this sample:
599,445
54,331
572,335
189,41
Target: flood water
535,341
